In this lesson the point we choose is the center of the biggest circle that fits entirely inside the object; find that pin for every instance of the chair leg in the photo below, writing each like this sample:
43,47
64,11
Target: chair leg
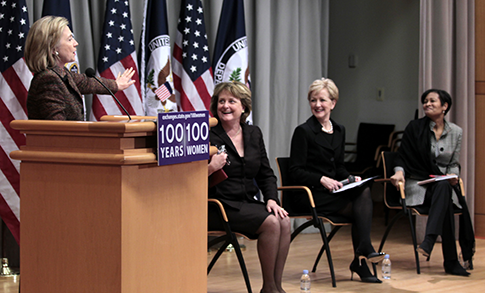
329,238
242,264
301,228
386,215
240,258
218,254
415,245
329,256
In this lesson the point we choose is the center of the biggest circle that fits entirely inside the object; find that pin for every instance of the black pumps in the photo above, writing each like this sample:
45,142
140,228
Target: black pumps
360,267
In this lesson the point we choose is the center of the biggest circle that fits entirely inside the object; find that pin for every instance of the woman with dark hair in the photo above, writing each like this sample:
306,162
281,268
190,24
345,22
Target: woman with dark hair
246,162
431,146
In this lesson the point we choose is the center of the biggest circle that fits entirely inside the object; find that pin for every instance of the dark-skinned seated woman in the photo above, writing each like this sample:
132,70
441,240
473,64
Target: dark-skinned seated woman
244,162
317,161
431,146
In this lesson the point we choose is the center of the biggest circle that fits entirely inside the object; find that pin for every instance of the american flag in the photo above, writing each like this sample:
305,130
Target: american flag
164,91
116,54
14,84
192,71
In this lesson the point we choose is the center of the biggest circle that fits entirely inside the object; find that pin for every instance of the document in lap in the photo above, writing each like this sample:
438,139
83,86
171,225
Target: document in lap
437,178
354,184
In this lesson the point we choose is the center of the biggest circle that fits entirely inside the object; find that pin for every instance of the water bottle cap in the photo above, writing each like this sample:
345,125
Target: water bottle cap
305,271
386,256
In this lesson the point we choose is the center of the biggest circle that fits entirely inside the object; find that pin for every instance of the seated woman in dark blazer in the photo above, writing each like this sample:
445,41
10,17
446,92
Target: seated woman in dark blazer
431,146
317,161
246,161
56,93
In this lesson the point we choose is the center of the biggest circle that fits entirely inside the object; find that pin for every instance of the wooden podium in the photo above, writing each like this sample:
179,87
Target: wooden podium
99,215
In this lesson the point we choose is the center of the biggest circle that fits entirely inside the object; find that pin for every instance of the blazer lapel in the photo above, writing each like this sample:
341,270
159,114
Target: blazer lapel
59,71
219,131
73,85
319,136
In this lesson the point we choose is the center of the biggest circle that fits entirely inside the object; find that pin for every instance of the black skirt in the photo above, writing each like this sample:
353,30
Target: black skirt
246,220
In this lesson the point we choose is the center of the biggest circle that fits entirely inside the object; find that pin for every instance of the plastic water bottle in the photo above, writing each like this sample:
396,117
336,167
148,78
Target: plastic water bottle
305,282
386,267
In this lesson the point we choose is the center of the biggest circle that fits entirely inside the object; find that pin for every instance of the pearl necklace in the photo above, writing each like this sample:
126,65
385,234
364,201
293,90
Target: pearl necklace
239,131
331,128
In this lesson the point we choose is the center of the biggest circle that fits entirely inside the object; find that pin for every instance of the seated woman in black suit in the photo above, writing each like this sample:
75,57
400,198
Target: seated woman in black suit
431,146
317,161
246,161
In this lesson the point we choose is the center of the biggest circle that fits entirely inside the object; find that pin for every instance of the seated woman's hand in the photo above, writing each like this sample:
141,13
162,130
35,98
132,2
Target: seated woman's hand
453,181
397,177
330,184
272,206
217,162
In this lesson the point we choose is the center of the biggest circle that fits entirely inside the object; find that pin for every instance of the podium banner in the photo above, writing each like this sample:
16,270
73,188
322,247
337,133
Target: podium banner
182,137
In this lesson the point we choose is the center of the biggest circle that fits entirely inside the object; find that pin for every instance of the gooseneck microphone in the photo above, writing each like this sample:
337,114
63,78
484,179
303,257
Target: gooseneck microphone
350,179
91,73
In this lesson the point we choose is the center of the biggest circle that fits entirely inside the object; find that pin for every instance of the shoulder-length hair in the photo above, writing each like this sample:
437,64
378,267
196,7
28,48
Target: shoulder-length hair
238,90
44,35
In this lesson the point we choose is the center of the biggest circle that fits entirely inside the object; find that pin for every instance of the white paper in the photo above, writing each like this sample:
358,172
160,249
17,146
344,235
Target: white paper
354,184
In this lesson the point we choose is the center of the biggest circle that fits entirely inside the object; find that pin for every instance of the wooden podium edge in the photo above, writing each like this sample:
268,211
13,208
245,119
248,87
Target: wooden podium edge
84,158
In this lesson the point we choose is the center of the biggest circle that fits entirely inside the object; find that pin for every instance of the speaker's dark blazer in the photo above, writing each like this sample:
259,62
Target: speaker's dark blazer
313,156
239,187
52,97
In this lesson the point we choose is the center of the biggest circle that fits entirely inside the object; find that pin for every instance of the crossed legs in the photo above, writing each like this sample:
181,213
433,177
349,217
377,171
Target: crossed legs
441,222
273,245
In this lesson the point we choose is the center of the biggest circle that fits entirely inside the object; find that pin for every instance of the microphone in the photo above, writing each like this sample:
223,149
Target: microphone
350,179
91,73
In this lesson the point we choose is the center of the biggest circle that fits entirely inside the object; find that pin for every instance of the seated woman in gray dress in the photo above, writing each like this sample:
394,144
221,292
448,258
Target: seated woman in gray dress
431,146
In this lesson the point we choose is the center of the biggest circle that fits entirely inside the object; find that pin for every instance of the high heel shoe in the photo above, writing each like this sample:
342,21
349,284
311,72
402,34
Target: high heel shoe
422,250
373,257
427,245
360,267
454,268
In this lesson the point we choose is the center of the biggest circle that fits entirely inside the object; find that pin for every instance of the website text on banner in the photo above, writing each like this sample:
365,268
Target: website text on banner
182,137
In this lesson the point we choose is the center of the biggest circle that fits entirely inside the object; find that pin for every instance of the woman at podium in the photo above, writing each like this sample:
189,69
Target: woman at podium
55,92
242,156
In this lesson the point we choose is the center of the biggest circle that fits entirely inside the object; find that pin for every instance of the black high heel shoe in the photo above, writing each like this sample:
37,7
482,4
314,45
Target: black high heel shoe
360,267
427,245
373,257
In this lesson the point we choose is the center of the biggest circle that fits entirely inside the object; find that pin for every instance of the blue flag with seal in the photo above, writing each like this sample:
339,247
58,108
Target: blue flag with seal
155,60
63,8
231,52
